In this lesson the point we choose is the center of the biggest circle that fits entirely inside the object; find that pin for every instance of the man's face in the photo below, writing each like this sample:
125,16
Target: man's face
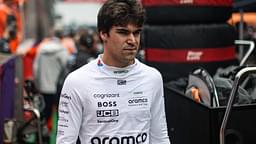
121,45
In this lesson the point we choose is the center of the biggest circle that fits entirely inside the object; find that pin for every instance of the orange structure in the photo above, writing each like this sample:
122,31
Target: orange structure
248,17
9,10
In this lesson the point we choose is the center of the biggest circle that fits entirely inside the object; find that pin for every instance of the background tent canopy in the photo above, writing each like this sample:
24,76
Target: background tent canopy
246,5
78,13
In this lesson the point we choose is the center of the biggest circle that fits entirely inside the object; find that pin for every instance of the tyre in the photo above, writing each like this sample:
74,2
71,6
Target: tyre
175,50
185,11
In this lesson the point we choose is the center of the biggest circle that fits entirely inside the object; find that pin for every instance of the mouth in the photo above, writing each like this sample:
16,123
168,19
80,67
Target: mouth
130,48
130,51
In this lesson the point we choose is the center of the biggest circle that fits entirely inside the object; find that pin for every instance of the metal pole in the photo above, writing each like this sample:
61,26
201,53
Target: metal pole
18,99
249,51
241,33
238,77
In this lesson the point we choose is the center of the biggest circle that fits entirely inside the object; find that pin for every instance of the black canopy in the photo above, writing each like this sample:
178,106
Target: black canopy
246,5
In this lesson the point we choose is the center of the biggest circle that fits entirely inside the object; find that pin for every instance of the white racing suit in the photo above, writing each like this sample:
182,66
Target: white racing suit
109,105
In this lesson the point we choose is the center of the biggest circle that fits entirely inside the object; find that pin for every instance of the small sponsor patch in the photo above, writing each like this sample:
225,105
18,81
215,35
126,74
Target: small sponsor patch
120,71
107,113
99,63
121,82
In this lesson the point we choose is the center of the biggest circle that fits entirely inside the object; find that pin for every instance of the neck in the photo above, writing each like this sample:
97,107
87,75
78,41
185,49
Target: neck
115,63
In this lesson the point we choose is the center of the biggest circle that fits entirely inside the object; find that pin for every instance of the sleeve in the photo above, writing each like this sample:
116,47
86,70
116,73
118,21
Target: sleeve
36,67
36,63
158,129
69,114
64,56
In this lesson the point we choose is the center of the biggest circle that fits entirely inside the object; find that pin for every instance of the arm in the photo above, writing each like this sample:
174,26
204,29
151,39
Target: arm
158,129
69,114
36,67
64,56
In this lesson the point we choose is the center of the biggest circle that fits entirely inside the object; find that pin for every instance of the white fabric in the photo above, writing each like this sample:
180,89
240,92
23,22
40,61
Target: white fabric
50,59
112,106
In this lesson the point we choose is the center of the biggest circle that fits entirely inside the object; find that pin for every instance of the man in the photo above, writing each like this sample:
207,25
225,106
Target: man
114,99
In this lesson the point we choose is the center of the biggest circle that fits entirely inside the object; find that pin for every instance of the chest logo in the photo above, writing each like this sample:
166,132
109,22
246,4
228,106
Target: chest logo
139,101
107,113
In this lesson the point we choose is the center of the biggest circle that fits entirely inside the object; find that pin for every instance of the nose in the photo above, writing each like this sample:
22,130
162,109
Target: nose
131,38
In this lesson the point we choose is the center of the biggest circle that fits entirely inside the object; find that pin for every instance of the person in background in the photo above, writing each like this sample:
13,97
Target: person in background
87,51
68,41
114,98
51,57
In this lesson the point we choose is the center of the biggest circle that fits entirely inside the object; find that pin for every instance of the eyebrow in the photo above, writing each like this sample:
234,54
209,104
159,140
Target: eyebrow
127,30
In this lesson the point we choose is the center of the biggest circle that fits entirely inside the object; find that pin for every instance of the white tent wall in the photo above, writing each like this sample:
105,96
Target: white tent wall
81,13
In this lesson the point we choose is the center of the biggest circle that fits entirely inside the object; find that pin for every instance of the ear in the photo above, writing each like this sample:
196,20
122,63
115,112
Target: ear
103,36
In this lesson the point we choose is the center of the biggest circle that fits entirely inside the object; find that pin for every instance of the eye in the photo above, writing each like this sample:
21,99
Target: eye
123,32
137,33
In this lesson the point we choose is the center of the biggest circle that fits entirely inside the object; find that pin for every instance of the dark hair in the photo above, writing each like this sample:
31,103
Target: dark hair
86,40
120,13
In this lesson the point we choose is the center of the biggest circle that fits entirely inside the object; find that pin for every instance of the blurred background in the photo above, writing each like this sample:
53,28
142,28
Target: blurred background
41,41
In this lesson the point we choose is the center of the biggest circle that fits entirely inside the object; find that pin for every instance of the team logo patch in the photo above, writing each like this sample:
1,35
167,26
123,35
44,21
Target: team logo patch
121,71
99,63
121,82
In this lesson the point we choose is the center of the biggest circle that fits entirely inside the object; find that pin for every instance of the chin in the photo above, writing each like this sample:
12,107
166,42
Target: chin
131,57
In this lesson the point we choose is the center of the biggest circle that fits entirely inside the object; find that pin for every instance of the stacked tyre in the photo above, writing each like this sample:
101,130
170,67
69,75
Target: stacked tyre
181,35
